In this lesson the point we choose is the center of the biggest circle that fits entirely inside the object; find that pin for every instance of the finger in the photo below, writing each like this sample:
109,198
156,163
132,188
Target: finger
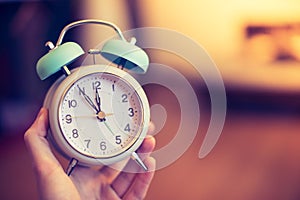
145,149
151,128
147,146
112,171
49,173
124,179
141,182
38,146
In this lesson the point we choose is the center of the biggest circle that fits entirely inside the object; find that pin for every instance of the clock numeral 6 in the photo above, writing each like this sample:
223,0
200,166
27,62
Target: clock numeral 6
103,145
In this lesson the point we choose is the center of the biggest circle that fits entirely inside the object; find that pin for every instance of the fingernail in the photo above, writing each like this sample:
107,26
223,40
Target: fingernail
40,113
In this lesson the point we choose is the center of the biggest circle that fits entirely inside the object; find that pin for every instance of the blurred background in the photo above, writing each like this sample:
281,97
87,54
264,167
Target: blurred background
256,46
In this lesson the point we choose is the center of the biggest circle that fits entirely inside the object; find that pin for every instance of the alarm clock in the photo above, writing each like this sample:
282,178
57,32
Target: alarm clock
98,114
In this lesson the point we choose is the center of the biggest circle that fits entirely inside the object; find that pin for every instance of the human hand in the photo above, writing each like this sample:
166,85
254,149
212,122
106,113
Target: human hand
84,182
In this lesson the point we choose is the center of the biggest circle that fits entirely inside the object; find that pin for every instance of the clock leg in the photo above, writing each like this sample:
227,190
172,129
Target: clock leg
139,161
72,164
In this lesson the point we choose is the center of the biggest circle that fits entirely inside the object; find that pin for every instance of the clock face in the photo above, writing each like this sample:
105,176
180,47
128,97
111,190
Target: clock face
100,115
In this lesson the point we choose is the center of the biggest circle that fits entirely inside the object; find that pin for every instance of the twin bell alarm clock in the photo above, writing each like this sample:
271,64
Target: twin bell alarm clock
98,114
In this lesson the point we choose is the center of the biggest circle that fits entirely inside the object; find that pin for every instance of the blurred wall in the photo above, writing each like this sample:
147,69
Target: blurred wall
25,28
254,46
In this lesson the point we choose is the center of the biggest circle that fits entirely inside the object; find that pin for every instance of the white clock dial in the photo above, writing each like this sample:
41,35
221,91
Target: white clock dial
100,115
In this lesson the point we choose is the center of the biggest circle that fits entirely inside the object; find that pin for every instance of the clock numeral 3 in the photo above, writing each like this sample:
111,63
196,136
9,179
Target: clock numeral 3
130,112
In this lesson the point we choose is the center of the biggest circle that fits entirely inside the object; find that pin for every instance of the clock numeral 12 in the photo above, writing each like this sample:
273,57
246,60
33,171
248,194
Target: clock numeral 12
96,85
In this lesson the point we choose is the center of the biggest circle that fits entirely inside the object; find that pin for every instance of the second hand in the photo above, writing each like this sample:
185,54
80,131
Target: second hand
108,128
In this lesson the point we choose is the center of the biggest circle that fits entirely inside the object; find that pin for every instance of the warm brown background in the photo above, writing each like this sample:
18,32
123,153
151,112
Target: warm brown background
255,46
257,157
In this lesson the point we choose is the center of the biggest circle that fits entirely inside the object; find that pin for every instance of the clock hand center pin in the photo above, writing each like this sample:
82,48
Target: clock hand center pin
101,116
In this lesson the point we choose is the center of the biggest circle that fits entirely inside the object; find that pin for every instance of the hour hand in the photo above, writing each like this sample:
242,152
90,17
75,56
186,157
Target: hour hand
98,100
88,99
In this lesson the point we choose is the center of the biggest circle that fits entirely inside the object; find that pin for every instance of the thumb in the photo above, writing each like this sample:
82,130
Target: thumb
38,147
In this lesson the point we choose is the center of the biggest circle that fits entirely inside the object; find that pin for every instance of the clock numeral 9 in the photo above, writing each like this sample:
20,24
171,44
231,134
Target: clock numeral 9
75,133
103,145
68,119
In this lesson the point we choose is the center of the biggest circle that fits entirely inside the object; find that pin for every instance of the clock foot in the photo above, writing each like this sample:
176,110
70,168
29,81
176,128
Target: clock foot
72,164
139,161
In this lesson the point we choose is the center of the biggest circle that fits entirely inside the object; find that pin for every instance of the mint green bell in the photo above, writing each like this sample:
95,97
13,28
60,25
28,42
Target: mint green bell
126,54
58,57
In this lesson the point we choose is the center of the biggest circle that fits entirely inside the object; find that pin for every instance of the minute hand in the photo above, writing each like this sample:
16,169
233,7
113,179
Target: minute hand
98,101
88,99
